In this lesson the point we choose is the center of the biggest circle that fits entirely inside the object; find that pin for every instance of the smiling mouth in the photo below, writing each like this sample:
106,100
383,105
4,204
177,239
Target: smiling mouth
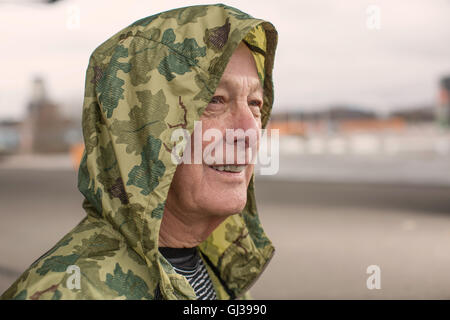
229,168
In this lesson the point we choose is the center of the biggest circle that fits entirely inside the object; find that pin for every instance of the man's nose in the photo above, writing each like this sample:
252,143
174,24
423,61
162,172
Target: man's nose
244,119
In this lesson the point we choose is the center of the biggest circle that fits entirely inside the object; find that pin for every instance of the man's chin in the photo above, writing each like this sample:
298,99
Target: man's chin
227,208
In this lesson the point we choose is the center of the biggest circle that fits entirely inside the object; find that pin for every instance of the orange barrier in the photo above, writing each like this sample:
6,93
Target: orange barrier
344,126
288,127
76,153
372,125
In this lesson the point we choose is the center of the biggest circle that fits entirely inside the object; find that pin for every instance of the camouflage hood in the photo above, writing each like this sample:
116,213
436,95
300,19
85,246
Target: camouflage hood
153,77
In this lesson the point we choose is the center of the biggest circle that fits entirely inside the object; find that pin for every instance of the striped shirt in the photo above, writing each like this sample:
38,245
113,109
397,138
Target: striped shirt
187,262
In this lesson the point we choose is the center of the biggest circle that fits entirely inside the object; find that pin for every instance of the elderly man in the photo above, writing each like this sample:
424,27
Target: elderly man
155,228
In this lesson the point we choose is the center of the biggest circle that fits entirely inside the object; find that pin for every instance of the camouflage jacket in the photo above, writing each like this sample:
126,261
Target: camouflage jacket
154,76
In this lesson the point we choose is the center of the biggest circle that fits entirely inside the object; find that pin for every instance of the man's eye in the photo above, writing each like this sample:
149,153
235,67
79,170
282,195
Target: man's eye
217,99
255,103
255,106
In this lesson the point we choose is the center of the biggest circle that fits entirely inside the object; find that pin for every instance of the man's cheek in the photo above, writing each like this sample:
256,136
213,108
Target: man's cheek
254,149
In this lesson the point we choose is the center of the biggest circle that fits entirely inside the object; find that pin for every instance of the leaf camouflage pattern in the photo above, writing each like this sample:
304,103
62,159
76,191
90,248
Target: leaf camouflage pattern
154,76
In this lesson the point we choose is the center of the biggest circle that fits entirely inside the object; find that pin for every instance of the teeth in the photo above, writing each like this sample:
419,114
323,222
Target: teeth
229,168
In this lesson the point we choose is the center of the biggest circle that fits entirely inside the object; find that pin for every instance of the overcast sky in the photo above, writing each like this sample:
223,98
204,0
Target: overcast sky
326,53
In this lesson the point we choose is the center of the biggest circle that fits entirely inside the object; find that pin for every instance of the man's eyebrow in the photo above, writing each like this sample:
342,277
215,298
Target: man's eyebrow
256,86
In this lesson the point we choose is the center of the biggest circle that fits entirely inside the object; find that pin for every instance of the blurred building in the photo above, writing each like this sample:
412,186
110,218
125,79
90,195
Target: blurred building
44,128
443,105
335,120
416,115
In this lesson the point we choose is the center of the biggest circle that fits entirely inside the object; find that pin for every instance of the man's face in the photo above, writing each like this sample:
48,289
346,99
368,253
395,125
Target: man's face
236,104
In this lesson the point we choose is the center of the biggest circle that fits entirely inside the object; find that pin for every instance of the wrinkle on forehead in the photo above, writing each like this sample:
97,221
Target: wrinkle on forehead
242,61
241,72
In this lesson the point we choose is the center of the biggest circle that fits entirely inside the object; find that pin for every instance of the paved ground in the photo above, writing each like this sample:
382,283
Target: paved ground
421,169
326,234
